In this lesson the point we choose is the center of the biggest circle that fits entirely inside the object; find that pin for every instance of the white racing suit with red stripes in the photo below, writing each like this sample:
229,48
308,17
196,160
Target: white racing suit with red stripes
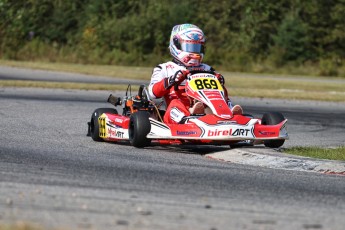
177,102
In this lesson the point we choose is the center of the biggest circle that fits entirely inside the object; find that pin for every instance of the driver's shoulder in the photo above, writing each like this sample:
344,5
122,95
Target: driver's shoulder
169,65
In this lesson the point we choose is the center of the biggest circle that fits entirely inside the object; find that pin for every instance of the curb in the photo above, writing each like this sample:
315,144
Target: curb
272,158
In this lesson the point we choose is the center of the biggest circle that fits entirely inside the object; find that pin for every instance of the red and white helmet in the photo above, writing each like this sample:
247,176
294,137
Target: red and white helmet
187,44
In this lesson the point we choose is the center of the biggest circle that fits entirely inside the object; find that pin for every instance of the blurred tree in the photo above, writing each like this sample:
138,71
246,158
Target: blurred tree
132,32
292,39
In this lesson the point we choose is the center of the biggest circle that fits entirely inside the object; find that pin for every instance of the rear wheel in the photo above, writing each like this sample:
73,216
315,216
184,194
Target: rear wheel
139,127
273,118
94,126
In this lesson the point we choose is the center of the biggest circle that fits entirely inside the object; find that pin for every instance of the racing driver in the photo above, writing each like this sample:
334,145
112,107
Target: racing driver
187,47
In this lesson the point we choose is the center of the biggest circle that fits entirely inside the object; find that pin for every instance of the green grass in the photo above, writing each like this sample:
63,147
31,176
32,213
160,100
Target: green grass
238,84
64,85
321,153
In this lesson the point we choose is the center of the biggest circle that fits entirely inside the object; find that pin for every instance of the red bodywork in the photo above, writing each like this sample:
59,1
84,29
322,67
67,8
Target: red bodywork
219,126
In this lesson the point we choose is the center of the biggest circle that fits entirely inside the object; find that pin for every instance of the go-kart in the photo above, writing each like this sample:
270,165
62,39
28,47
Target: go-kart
141,122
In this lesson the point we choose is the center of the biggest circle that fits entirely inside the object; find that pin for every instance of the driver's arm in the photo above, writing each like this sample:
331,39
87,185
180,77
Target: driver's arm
161,83
158,87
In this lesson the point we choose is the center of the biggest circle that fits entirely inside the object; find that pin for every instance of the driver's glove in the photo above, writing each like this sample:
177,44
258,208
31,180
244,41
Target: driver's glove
220,78
177,78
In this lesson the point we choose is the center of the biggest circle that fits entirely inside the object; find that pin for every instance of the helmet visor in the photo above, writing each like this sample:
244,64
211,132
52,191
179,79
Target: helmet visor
192,47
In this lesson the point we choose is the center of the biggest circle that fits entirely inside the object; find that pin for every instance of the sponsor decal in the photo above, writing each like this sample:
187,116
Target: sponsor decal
230,132
225,116
266,133
200,75
114,133
118,120
169,66
185,133
176,115
226,122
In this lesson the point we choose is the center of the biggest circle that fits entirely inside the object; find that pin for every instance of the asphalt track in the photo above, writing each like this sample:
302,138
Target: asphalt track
53,175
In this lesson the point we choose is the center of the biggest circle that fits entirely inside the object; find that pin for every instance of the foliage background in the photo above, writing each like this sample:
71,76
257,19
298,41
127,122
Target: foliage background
294,36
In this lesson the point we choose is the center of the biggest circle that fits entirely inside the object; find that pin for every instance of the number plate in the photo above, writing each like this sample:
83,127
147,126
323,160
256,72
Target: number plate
102,126
204,82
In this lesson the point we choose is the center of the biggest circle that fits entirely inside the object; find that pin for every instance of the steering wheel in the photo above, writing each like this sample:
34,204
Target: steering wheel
191,72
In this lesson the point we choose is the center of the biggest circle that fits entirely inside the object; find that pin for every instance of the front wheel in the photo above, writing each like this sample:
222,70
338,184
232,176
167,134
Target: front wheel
94,125
273,118
139,127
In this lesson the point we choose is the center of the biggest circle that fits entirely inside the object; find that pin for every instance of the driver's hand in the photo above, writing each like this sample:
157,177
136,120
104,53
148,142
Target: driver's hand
220,78
178,77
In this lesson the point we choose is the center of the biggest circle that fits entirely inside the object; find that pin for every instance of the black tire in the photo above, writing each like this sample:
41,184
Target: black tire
139,127
273,118
94,126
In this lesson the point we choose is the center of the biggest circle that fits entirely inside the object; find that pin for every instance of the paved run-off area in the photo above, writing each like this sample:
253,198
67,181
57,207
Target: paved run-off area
52,175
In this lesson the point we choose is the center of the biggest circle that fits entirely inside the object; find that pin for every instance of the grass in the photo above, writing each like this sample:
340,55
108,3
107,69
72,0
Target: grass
317,152
64,85
239,84
20,226
143,73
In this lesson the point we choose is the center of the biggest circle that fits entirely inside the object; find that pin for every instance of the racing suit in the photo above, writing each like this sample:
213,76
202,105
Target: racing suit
177,102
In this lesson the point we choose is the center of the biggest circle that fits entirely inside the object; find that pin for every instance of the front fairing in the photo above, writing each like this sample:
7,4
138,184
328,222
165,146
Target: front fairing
206,88
211,127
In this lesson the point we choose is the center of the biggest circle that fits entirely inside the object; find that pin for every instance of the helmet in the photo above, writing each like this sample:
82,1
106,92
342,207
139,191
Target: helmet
187,44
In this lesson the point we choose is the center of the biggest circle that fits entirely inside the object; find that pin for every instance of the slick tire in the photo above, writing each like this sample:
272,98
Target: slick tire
139,127
94,126
273,118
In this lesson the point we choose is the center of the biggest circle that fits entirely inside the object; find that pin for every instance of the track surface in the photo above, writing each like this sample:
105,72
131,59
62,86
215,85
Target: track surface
53,175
